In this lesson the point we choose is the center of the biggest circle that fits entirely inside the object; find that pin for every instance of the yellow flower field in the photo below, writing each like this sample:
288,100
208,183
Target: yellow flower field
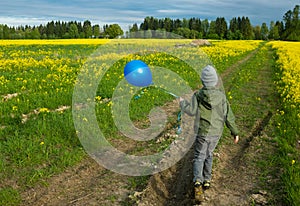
289,63
54,42
227,49
37,78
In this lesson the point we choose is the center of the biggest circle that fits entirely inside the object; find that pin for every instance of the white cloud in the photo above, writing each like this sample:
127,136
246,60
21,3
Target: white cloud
169,11
18,21
128,12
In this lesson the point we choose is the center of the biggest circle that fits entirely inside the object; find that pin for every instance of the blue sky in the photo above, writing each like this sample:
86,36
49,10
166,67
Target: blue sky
127,12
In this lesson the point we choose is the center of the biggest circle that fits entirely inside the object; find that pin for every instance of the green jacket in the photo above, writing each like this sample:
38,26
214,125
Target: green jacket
212,111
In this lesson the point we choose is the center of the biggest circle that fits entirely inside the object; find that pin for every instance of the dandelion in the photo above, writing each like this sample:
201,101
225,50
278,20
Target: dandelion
44,110
293,162
42,143
110,104
15,108
98,98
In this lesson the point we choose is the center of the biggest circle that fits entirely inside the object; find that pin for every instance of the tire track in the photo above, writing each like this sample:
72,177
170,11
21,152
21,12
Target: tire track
226,188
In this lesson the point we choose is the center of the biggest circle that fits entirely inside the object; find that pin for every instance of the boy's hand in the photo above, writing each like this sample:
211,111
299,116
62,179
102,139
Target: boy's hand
236,139
180,99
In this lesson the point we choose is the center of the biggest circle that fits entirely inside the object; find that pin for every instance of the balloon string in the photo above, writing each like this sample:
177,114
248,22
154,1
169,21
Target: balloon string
174,95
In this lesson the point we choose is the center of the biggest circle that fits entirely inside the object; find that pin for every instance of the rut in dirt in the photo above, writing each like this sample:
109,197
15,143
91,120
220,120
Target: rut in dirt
235,177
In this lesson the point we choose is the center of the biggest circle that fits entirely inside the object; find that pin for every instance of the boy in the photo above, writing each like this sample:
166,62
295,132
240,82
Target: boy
212,111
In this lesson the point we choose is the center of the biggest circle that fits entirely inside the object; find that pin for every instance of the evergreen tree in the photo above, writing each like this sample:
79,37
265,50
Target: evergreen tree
50,30
280,27
1,31
205,27
246,28
73,31
274,31
42,31
185,23
168,24
133,31
264,31
87,29
233,26
155,23
177,24
292,24
195,24
58,29
6,32
257,33
96,30
221,27
212,34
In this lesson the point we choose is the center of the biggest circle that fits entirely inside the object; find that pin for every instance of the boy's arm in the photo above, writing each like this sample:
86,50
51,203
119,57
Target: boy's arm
230,121
189,108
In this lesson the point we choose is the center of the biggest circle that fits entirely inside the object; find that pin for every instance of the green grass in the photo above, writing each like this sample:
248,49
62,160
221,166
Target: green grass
39,148
282,163
287,127
253,98
9,197
287,135
47,143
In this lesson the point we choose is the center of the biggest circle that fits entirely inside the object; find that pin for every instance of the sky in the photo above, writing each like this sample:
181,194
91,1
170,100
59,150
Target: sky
127,12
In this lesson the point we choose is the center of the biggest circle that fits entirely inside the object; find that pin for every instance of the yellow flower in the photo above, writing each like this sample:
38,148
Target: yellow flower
54,42
293,162
42,143
109,104
98,98
288,61
44,110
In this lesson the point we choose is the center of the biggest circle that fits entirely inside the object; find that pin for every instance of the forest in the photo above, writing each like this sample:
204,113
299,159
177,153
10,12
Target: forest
238,28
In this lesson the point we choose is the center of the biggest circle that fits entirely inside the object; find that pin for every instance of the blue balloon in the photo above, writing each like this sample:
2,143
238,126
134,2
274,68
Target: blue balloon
137,73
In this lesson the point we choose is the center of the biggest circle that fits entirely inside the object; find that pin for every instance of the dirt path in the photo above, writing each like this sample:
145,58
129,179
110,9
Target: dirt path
85,184
236,177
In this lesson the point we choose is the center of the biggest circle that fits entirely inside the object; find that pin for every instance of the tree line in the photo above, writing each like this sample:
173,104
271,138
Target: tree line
61,30
237,28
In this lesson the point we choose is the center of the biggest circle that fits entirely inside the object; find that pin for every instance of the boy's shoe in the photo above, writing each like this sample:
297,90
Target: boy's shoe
197,184
199,196
206,185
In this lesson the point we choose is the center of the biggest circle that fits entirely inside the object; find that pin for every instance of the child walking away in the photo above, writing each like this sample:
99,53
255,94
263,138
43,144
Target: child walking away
212,111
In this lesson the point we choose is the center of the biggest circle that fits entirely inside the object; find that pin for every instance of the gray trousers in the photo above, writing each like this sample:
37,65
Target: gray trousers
203,157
